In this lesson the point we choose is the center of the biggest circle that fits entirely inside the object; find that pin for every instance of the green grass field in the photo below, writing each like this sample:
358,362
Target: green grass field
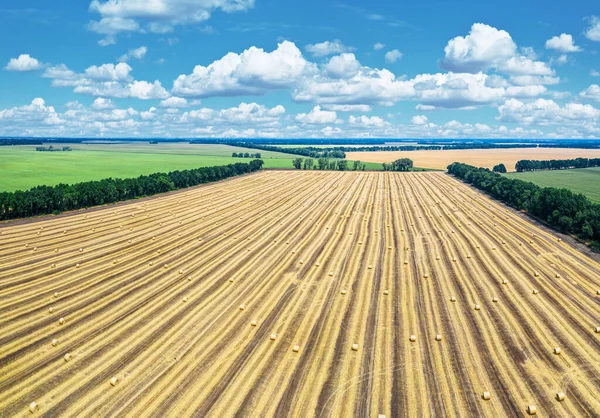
22,167
585,180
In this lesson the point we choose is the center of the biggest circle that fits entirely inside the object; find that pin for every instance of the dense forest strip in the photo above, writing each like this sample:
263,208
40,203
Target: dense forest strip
560,208
532,165
44,200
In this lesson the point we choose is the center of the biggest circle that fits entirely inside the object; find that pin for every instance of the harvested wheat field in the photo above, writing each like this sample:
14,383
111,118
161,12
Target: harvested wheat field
439,160
298,294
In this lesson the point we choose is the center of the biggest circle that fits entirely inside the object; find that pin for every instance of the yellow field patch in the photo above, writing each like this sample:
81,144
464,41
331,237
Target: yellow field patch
255,297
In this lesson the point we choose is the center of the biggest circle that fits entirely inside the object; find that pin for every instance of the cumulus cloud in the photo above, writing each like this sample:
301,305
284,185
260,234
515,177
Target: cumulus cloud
419,120
137,53
35,113
328,48
591,93
593,32
393,56
546,112
366,121
253,72
486,47
348,108
378,46
342,66
317,116
103,104
24,62
109,72
563,43
174,102
157,16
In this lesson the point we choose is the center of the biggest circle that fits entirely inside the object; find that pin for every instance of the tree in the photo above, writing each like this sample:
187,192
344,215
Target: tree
257,155
234,155
500,168
342,165
323,163
246,155
308,163
355,165
297,163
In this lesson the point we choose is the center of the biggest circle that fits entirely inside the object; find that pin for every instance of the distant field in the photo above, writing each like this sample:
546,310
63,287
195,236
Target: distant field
480,158
22,167
584,180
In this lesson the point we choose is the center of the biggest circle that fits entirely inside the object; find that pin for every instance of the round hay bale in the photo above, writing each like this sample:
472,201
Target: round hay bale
536,274
26,245
597,330
560,396
33,407
273,337
557,351
185,299
370,267
165,266
68,357
51,309
454,259
531,410
486,396
56,250
438,337
242,307
180,271
477,307
535,291
150,263
54,342
253,323
504,281
405,262
426,276
301,261
437,257
355,347
55,294
61,321
296,348
493,248
598,292
330,273
389,247
114,380
494,299
34,248
386,292
317,264
468,255
557,276
344,291
452,299
114,261
360,242
413,338
189,278
77,265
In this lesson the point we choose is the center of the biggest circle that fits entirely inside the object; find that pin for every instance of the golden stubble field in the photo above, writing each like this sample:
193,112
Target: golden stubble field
298,294
439,160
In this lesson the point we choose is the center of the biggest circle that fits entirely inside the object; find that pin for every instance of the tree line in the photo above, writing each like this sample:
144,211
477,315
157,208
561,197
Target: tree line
531,165
403,164
560,208
51,148
311,152
42,200
17,141
245,155
326,164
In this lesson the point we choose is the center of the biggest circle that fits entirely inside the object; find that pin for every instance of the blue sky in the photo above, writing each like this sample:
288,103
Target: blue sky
266,68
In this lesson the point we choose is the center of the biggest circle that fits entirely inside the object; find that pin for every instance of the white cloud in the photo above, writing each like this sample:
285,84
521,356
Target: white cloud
366,121
342,66
35,113
393,56
254,71
103,104
24,62
591,93
328,48
144,90
489,48
378,46
157,16
595,73
419,120
317,116
137,53
109,72
546,112
174,102
593,32
149,114
563,43
348,108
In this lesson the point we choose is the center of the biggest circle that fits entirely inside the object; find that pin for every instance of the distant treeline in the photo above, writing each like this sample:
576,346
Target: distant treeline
531,165
43,200
560,208
5,142
311,152
51,148
326,164
245,155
